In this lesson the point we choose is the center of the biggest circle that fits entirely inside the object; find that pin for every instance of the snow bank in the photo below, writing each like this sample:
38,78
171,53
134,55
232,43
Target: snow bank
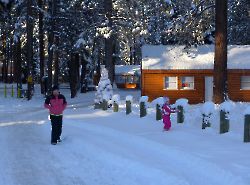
227,106
208,108
158,101
247,111
181,102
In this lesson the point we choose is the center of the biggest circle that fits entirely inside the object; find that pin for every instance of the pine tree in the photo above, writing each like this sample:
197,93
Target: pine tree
104,88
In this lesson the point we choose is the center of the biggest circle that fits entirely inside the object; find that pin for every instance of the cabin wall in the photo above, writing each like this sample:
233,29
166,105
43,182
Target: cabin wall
235,92
153,84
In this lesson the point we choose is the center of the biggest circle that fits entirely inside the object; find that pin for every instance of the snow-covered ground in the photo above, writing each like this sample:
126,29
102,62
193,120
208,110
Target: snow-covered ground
106,148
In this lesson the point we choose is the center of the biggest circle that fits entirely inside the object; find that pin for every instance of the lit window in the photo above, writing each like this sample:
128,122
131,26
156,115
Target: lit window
171,82
245,82
187,82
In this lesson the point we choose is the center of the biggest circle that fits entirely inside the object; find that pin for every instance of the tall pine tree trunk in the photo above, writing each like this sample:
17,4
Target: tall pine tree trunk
73,65
56,62
220,60
17,63
109,63
41,45
29,46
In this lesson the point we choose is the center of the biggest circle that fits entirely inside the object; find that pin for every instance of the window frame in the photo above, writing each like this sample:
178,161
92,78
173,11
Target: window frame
164,83
248,81
187,88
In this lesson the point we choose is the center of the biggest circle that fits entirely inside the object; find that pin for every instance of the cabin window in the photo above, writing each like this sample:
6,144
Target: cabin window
171,82
120,79
245,82
187,82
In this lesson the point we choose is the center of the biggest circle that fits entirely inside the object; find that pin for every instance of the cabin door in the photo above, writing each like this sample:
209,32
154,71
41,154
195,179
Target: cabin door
209,80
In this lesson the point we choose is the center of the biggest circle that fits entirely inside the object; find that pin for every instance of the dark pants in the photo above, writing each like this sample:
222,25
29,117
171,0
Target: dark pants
56,123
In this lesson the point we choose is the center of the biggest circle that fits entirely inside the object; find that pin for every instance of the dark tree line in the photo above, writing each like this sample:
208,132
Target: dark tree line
61,41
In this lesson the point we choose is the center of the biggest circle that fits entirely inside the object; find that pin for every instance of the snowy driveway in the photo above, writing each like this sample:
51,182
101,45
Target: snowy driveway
105,148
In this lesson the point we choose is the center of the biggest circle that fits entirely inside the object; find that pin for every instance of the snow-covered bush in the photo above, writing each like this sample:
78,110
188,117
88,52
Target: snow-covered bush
104,88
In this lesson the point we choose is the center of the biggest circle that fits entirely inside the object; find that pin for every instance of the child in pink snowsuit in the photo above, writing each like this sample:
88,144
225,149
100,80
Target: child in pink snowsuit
166,112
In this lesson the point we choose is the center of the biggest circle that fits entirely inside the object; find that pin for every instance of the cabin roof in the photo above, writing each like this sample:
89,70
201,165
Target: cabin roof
127,69
201,57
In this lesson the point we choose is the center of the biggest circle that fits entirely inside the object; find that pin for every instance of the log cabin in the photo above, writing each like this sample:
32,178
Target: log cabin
178,72
128,76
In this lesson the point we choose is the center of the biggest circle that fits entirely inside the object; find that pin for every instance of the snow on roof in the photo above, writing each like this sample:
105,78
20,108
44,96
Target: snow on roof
202,57
127,69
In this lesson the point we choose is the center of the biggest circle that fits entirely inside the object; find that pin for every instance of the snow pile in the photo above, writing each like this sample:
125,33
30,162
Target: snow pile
247,111
201,57
129,98
181,102
116,98
158,101
104,88
208,108
227,106
143,99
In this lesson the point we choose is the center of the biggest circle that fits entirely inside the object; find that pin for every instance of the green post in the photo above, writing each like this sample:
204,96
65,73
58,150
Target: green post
224,122
5,91
115,107
143,110
180,114
128,107
205,121
158,112
12,91
18,92
247,128
105,105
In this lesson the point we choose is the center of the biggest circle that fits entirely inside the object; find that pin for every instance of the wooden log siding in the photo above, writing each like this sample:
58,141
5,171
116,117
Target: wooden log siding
153,84
235,92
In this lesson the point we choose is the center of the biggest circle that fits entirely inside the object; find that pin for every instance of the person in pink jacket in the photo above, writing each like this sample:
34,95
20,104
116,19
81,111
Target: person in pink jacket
166,112
56,103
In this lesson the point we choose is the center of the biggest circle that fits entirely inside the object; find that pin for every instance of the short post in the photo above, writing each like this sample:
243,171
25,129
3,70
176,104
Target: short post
18,92
143,111
115,101
224,122
180,114
158,112
129,100
105,105
5,91
247,128
128,107
115,107
143,108
12,91
207,111
181,105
